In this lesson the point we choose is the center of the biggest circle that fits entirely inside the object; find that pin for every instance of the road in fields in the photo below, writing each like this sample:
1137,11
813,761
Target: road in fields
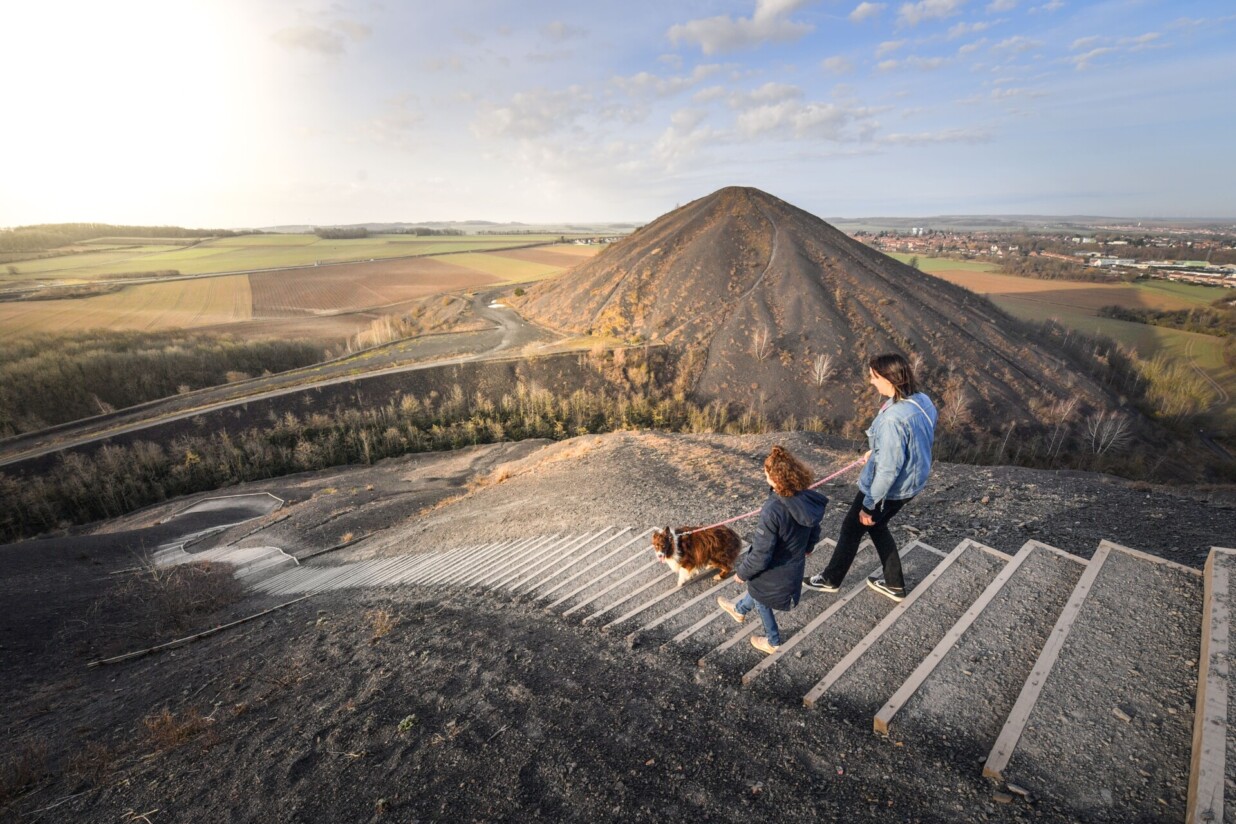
509,334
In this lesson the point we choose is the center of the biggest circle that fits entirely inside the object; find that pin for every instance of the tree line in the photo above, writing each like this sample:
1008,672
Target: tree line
118,479
1219,321
50,379
46,236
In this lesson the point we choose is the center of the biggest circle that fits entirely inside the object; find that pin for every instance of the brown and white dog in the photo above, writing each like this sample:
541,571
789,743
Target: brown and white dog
715,547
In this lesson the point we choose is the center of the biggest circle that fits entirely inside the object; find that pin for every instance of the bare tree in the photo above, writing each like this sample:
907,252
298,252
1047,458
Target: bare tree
822,369
1108,432
761,344
955,402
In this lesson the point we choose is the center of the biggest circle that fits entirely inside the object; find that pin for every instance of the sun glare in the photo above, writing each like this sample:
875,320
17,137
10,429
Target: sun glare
122,104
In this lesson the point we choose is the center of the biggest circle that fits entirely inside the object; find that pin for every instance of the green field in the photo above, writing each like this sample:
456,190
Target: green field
932,265
1076,304
250,252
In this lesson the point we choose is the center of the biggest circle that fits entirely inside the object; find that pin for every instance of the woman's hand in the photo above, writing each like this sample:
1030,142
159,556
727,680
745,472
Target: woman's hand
867,456
865,519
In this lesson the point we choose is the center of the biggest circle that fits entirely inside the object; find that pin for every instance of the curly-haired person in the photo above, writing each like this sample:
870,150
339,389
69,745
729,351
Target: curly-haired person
787,532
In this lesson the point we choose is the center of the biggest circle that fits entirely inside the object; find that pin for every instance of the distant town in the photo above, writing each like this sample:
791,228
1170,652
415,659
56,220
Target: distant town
1196,255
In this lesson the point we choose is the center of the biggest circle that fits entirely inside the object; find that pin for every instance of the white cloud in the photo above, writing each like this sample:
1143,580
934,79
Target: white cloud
443,64
837,65
557,31
398,125
1082,61
965,29
310,38
769,23
684,139
1017,44
646,84
322,40
914,61
911,14
1085,42
532,114
766,94
866,10
1140,42
888,47
793,119
1053,5
710,94
971,48
997,6
946,136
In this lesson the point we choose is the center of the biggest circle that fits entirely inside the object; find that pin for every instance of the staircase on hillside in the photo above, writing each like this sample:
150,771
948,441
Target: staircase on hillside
1042,665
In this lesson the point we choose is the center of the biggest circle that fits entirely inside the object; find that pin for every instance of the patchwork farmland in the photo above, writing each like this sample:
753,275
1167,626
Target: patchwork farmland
301,292
1076,305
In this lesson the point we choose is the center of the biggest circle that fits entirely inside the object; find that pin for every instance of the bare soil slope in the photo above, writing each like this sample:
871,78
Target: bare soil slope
721,272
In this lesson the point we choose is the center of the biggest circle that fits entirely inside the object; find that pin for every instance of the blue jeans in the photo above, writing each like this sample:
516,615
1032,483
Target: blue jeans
746,603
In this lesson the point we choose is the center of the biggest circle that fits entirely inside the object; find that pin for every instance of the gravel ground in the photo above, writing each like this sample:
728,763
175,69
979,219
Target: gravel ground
967,697
406,705
888,662
1117,707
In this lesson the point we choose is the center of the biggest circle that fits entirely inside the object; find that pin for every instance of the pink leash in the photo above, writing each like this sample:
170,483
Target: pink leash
820,482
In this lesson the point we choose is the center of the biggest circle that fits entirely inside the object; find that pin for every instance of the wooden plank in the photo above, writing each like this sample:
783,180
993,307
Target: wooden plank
588,569
1208,763
629,596
678,610
885,716
511,560
451,562
561,564
1154,559
424,562
584,570
1009,735
626,616
748,627
467,566
819,620
536,559
879,629
612,586
696,627
504,562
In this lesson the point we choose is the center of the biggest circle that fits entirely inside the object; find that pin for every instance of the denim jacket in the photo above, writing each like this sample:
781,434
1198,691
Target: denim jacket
900,438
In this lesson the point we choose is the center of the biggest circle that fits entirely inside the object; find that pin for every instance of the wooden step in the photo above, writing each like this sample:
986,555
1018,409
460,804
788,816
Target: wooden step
964,689
1103,725
1212,771
814,650
888,653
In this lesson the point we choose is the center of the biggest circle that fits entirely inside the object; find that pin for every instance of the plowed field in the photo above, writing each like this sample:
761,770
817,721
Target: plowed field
148,307
317,289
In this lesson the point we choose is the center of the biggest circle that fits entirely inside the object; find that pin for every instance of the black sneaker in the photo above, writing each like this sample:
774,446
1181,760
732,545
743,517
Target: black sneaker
821,583
879,585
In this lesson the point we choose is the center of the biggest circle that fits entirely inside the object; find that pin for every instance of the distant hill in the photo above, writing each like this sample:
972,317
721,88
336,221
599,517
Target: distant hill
466,226
717,275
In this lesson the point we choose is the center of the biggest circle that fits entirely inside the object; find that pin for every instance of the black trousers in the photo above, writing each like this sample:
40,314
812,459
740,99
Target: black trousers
852,532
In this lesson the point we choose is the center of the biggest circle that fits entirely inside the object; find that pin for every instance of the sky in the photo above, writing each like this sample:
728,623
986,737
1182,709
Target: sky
251,113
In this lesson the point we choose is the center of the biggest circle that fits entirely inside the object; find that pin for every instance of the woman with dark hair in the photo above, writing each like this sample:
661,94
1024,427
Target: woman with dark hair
787,532
897,467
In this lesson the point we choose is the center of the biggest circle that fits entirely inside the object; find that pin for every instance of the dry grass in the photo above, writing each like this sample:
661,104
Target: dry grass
92,762
381,621
164,599
167,731
25,763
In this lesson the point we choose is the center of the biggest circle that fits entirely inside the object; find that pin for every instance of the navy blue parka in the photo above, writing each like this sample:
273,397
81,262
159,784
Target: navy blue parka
788,529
